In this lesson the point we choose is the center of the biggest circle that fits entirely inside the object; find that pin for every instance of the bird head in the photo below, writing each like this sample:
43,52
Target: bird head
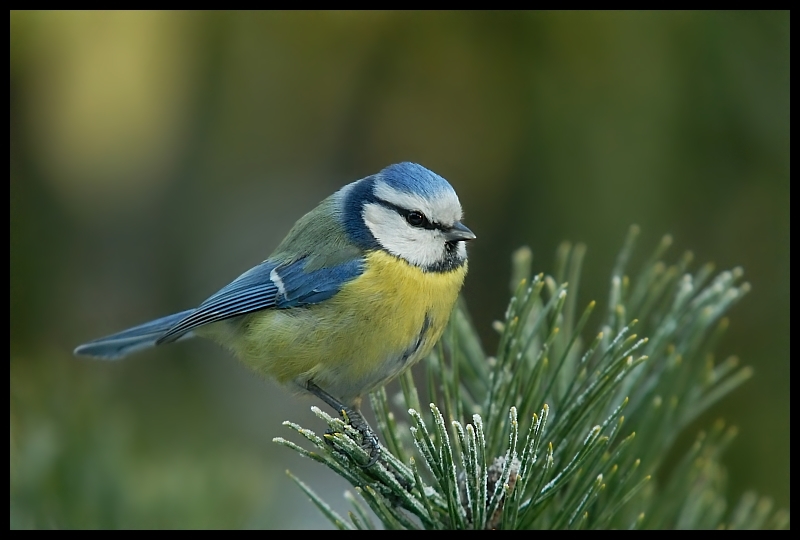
410,212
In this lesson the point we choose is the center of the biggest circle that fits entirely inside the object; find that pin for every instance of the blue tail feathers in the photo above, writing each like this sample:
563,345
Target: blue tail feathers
131,340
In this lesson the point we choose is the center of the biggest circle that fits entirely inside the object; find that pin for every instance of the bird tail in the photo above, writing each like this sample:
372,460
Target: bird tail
133,339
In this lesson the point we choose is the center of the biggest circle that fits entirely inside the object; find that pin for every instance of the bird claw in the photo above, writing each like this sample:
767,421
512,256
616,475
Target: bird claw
369,441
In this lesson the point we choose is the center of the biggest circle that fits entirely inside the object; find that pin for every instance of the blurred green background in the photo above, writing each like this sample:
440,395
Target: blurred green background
155,156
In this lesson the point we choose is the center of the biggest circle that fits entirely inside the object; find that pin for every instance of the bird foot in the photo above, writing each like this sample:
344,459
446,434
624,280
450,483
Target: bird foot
351,415
369,441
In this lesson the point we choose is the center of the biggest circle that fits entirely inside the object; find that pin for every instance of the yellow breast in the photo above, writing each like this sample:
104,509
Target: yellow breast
375,327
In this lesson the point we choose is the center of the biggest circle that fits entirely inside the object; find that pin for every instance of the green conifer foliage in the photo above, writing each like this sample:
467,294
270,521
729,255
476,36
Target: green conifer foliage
561,428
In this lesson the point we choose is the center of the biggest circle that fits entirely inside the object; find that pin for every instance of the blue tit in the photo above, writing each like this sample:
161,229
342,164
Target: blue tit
359,290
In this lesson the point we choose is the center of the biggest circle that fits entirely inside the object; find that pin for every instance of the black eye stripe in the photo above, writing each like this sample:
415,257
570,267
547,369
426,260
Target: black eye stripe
426,223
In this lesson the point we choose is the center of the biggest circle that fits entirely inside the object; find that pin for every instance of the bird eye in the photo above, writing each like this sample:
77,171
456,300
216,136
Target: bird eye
415,218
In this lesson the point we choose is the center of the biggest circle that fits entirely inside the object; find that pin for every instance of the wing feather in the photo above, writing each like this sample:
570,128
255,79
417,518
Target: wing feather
255,290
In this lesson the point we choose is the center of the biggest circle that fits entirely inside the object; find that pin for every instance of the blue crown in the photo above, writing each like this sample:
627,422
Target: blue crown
413,178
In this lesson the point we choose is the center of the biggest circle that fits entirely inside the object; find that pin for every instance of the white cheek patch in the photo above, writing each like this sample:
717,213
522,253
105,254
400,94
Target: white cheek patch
462,250
420,247
443,208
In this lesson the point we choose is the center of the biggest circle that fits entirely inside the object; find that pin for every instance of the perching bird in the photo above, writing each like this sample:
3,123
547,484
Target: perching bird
359,290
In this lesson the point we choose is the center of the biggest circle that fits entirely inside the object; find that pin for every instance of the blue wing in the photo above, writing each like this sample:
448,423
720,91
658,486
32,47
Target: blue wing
268,285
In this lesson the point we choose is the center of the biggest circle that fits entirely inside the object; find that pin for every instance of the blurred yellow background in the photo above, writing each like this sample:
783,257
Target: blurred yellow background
157,155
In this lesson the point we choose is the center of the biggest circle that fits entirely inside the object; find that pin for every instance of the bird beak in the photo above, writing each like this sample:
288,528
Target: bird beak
458,232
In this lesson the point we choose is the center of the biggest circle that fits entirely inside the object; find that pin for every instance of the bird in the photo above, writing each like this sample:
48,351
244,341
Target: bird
359,290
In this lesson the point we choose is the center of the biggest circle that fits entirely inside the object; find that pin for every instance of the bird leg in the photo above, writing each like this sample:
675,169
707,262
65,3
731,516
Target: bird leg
352,416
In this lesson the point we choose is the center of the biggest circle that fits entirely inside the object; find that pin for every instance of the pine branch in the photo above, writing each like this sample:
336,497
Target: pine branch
553,433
